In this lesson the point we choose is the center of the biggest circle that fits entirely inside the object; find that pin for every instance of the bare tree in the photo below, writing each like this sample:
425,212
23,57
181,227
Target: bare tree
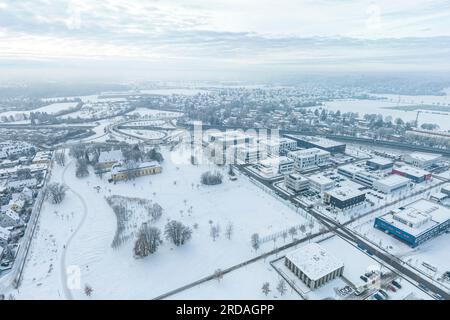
292,231
55,192
229,231
147,242
177,233
218,274
78,151
60,158
266,288
255,241
211,178
155,212
82,169
88,290
214,231
281,287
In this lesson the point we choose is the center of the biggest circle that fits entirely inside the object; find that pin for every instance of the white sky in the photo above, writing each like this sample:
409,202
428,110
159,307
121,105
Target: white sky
199,38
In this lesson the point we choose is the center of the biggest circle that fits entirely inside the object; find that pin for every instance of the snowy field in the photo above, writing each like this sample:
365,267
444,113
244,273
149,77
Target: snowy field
116,273
380,107
50,109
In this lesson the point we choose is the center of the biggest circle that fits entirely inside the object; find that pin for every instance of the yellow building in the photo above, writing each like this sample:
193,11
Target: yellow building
120,172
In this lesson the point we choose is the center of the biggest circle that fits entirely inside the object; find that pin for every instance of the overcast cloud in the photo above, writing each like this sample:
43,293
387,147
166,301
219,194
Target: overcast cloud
192,39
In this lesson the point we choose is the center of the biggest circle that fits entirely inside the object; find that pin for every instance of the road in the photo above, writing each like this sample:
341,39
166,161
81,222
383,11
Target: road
342,231
63,261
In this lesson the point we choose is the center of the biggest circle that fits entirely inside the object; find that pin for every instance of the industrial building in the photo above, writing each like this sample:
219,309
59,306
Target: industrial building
296,182
313,265
320,183
391,183
415,174
380,164
309,158
344,198
422,160
317,142
415,223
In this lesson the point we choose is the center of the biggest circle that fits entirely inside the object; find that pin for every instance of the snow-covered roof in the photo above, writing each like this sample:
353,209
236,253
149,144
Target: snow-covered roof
381,161
314,261
393,180
418,217
318,141
413,171
110,156
4,234
320,179
421,156
345,193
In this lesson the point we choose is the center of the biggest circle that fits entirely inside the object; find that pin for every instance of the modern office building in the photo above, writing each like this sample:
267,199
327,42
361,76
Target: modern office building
313,265
359,174
296,182
280,146
344,198
309,158
318,142
251,154
320,183
415,223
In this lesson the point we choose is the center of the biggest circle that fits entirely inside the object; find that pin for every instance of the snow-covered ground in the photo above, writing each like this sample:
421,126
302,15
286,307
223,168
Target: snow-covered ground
155,114
50,109
145,134
116,273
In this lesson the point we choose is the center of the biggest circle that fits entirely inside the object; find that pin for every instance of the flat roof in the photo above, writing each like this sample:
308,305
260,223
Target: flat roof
351,168
413,171
345,193
314,261
381,161
416,212
393,180
320,179
309,152
422,156
319,141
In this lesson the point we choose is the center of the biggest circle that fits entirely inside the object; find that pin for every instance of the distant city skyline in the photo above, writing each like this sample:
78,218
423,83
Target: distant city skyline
220,40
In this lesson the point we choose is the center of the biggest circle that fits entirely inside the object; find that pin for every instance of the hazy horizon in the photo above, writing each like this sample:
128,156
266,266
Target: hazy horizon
118,40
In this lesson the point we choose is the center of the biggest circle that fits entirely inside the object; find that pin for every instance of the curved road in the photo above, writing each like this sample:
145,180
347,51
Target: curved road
63,266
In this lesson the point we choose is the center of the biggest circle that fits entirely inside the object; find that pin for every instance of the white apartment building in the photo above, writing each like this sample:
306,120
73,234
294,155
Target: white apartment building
309,158
279,146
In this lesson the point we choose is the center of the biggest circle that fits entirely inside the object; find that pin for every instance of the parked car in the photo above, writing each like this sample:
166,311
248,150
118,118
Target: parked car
396,284
363,278
383,293
378,296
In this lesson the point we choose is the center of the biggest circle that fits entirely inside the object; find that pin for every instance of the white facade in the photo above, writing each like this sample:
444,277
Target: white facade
279,146
285,165
320,183
391,183
422,160
296,182
309,158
